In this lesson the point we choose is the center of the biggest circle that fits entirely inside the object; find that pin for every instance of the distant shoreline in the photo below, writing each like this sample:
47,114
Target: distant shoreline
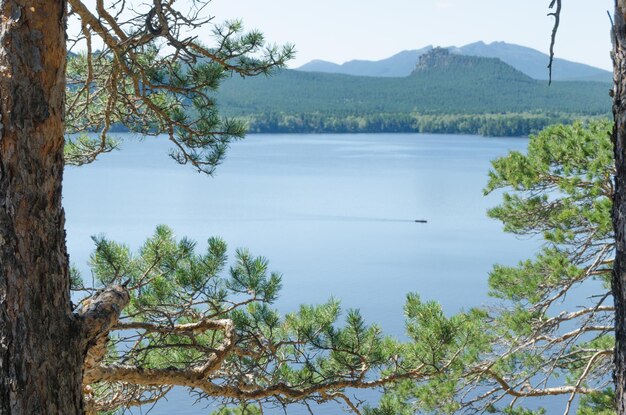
489,125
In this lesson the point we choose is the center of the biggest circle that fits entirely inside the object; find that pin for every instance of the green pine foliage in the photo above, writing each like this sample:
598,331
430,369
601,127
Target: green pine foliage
599,403
153,85
178,101
315,353
242,410
544,334
561,191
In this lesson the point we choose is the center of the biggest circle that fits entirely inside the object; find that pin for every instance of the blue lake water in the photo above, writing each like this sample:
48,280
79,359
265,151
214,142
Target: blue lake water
333,213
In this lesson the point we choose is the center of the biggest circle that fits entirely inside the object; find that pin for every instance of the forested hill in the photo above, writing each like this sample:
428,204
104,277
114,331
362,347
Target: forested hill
445,93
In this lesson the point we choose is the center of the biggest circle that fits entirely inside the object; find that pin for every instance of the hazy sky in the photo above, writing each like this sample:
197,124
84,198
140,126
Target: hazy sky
341,30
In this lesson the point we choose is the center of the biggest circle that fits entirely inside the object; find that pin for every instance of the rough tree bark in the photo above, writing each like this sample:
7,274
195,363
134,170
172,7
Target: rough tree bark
40,353
619,202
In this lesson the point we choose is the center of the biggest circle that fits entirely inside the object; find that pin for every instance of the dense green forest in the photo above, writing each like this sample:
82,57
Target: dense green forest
447,93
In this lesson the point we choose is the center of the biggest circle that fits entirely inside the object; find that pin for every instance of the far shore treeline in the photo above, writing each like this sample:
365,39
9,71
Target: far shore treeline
493,125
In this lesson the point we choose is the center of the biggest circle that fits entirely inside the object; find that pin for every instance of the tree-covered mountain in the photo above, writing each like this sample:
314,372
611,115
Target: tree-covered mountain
527,60
446,92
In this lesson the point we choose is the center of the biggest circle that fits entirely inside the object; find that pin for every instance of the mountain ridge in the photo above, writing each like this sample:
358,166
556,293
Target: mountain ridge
527,60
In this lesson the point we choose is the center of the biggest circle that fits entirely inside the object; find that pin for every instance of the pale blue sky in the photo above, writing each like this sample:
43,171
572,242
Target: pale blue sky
341,30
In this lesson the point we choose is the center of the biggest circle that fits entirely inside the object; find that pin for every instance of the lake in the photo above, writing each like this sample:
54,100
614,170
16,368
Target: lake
335,214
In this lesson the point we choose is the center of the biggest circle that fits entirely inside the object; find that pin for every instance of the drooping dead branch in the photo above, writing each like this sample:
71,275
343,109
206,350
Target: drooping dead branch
557,21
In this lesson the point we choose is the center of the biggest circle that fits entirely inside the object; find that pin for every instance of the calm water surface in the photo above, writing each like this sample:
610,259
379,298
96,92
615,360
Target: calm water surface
333,213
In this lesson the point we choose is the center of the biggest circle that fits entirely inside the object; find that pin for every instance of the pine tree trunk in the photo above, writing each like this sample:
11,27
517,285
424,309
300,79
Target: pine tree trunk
619,202
40,356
